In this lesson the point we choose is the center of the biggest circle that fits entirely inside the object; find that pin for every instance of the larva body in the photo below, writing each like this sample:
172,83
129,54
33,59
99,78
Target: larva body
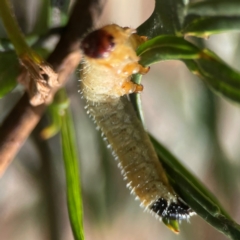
109,62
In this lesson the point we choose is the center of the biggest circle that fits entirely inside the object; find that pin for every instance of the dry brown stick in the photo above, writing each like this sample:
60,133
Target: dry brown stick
64,59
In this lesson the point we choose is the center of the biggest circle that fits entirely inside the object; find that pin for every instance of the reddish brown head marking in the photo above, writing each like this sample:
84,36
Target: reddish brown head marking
97,44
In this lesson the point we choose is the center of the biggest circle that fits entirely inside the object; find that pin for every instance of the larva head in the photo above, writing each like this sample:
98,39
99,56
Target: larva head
100,43
173,211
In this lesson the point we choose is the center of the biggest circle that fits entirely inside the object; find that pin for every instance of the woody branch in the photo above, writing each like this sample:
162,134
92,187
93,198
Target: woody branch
64,59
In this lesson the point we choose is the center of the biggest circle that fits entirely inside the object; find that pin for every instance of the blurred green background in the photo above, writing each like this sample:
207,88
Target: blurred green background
197,126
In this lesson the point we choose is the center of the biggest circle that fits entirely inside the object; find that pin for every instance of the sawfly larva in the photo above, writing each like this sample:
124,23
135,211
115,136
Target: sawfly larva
109,60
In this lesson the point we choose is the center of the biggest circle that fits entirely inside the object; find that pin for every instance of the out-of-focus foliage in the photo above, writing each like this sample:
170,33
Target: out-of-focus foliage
172,29
9,68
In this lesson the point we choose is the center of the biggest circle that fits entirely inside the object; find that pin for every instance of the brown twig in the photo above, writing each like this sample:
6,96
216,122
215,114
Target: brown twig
64,59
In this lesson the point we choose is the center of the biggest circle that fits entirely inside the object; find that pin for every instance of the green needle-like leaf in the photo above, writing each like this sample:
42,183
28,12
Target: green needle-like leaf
196,195
227,8
74,198
215,72
213,66
205,18
14,33
166,18
218,85
211,203
162,48
206,26
166,47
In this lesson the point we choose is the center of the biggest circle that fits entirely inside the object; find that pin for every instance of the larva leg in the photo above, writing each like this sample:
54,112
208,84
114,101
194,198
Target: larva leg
131,87
133,68
137,40
144,38
143,70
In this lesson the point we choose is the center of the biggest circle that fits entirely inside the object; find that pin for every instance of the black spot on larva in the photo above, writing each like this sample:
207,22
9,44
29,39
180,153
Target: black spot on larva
173,211
98,44
159,206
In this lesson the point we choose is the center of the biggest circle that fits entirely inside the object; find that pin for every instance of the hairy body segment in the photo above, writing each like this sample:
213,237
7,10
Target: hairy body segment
109,62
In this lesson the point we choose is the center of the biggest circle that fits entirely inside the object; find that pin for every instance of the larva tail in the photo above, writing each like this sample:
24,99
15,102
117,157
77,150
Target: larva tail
174,211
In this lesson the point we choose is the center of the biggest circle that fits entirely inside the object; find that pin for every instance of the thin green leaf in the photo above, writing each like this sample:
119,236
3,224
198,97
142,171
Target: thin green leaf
14,33
215,72
213,66
196,195
166,18
212,203
206,26
169,41
74,198
165,48
9,69
227,8
161,48
218,85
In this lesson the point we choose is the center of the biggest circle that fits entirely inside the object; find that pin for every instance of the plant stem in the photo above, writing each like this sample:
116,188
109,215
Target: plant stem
14,32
